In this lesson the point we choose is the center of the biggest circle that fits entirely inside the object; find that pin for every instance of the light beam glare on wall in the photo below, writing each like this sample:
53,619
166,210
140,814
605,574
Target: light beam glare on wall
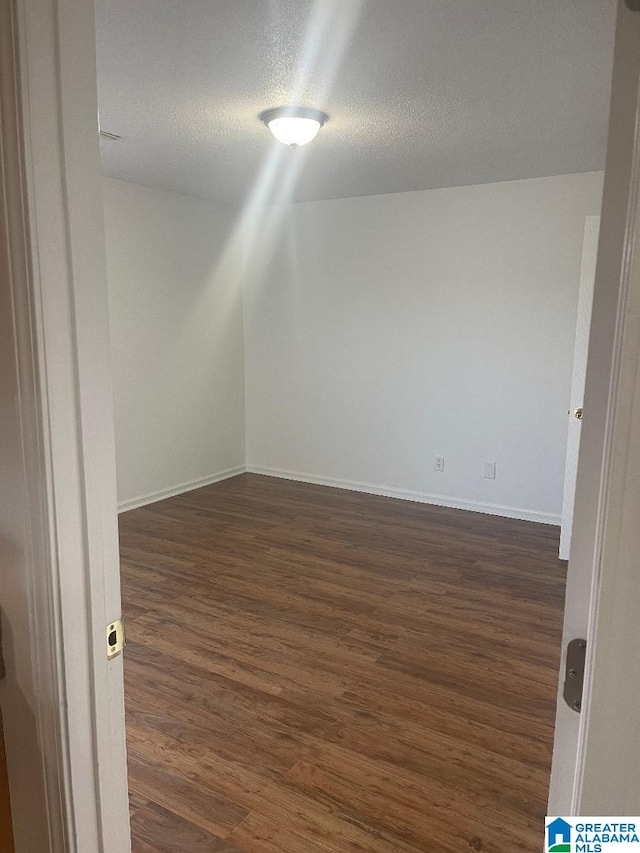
258,228
328,34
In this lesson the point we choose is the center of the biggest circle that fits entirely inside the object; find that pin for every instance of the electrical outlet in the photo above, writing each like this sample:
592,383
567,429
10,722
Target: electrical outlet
438,463
489,471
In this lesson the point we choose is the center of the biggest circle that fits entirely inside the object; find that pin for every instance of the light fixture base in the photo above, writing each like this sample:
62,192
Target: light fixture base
294,112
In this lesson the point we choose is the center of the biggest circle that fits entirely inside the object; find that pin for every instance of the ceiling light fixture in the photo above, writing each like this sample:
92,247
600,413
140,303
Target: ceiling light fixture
294,125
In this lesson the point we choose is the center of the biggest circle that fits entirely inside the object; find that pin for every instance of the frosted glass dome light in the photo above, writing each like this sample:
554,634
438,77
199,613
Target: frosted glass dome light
292,130
294,125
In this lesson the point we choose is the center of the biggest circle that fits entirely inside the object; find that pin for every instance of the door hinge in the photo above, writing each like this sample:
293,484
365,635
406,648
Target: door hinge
574,674
115,638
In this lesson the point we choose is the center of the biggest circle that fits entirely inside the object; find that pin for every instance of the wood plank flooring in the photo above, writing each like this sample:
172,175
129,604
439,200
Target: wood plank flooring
313,670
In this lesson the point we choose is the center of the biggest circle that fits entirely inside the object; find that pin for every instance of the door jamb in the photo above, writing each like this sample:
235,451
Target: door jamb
51,214
614,572
601,498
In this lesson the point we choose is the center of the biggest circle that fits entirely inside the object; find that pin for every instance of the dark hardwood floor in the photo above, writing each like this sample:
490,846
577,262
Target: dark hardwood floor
313,670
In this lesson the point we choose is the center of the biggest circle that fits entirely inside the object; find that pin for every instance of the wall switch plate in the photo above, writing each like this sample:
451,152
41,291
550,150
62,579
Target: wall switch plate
438,463
489,471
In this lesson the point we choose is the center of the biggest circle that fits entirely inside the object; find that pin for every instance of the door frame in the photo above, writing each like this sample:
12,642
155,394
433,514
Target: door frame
608,760
592,749
52,217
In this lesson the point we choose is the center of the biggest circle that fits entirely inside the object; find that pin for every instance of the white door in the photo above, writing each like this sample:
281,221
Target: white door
583,325
596,757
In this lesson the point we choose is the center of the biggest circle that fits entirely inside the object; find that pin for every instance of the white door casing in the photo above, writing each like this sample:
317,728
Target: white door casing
608,774
21,514
597,752
62,701
578,379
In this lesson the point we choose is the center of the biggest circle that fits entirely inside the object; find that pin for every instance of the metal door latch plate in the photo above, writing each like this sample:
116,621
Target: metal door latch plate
574,674
115,638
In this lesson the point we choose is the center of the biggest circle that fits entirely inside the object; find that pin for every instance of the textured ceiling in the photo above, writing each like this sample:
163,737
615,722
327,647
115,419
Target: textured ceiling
420,93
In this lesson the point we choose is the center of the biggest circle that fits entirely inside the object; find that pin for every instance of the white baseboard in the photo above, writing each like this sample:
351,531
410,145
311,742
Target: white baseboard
408,495
172,491
349,485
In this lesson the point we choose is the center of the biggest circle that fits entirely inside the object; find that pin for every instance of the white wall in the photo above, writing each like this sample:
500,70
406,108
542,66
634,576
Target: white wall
380,332
386,330
176,338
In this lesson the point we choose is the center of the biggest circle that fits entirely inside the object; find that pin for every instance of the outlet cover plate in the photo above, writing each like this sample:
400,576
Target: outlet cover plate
489,471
